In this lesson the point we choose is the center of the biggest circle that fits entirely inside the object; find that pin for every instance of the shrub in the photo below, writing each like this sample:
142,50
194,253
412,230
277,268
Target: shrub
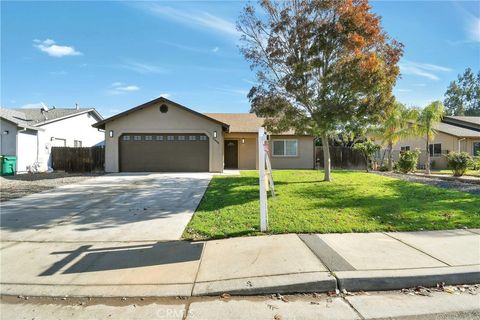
384,167
408,161
367,149
458,162
476,162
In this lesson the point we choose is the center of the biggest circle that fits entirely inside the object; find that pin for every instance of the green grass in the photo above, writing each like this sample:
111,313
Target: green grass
473,173
353,202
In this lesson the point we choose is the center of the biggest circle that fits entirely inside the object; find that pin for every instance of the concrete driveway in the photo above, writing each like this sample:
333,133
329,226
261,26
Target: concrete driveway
114,207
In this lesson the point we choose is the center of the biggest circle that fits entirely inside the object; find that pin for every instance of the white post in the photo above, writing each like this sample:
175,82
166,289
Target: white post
261,177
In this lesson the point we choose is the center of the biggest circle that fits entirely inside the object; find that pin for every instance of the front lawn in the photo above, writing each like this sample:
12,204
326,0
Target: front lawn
353,202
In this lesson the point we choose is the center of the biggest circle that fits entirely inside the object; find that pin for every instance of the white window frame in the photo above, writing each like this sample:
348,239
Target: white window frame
433,154
284,148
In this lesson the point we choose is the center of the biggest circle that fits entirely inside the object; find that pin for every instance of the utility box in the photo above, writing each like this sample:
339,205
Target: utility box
9,163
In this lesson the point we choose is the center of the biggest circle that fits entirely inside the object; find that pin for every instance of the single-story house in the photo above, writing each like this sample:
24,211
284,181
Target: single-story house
29,134
454,133
162,135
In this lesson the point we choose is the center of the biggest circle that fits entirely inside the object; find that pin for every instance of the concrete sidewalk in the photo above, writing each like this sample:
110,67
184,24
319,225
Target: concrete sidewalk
245,266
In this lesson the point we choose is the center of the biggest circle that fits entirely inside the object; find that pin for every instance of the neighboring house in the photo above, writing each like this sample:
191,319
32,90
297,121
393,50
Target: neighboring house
162,135
454,133
29,134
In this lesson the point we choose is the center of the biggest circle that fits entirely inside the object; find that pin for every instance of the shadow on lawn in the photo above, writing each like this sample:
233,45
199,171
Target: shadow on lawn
410,207
353,202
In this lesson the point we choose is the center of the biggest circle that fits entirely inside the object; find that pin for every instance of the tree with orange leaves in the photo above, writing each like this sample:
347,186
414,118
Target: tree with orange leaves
319,64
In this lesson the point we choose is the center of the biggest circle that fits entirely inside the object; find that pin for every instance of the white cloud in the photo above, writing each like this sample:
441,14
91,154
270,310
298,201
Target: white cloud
142,68
403,90
474,29
31,105
194,18
215,50
49,47
120,88
165,95
426,70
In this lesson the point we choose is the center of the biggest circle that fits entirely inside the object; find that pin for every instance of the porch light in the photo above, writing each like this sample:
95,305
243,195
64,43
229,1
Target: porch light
110,133
5,132
215,134
243,140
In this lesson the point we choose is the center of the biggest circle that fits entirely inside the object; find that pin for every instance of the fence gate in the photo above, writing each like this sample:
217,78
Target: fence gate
78,159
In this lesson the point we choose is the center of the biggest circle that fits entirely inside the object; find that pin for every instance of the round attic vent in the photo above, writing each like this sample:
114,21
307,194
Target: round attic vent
163,108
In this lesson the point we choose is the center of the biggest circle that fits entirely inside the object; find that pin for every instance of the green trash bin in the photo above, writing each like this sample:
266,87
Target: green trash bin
9,163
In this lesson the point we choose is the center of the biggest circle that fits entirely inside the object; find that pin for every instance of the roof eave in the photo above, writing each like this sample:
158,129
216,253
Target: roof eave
101,124
95,112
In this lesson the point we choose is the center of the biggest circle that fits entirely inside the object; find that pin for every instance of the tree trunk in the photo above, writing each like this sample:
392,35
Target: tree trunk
326,158
367,162
383,157
427,163
390,160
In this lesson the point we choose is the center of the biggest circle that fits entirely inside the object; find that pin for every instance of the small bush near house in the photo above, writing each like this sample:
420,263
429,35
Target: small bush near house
408,161
368,149
459,162
383,168
476,162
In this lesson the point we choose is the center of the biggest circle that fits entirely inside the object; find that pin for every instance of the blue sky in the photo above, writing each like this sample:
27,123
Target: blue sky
115,55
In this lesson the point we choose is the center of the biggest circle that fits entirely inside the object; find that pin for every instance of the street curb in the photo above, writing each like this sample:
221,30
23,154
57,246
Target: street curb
379,280
290,283
102,291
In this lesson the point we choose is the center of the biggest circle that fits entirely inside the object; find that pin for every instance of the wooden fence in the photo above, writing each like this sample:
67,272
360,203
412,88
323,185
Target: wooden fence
341,157
78,159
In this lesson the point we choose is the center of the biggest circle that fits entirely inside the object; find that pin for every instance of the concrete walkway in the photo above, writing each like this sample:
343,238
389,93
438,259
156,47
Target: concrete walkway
252,265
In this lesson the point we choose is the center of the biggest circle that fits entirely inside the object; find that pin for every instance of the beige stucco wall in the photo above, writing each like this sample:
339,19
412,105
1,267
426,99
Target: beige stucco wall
151,120
304,158
247,152
449,143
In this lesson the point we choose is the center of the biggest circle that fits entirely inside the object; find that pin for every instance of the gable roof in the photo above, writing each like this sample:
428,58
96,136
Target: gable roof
36,117
239,122
472,123
101,124
244,122
16,117
457,131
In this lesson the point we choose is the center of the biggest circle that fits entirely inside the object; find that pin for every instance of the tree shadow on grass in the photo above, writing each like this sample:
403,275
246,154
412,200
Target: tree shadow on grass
407,206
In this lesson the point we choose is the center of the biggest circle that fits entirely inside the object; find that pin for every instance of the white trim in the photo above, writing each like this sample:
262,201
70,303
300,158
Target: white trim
284,148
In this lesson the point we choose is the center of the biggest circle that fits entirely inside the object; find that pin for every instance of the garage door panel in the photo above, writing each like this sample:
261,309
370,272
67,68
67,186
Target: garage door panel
164,153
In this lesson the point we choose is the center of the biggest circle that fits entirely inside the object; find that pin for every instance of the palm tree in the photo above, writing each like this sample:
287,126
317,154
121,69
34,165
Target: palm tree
427,121
396,125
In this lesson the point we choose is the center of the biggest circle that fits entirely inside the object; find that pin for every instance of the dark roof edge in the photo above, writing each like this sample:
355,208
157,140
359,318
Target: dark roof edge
25,126
101,124
461,123
95,112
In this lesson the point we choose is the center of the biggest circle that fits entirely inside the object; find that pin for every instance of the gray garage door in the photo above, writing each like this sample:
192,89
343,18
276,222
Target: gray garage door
164,152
